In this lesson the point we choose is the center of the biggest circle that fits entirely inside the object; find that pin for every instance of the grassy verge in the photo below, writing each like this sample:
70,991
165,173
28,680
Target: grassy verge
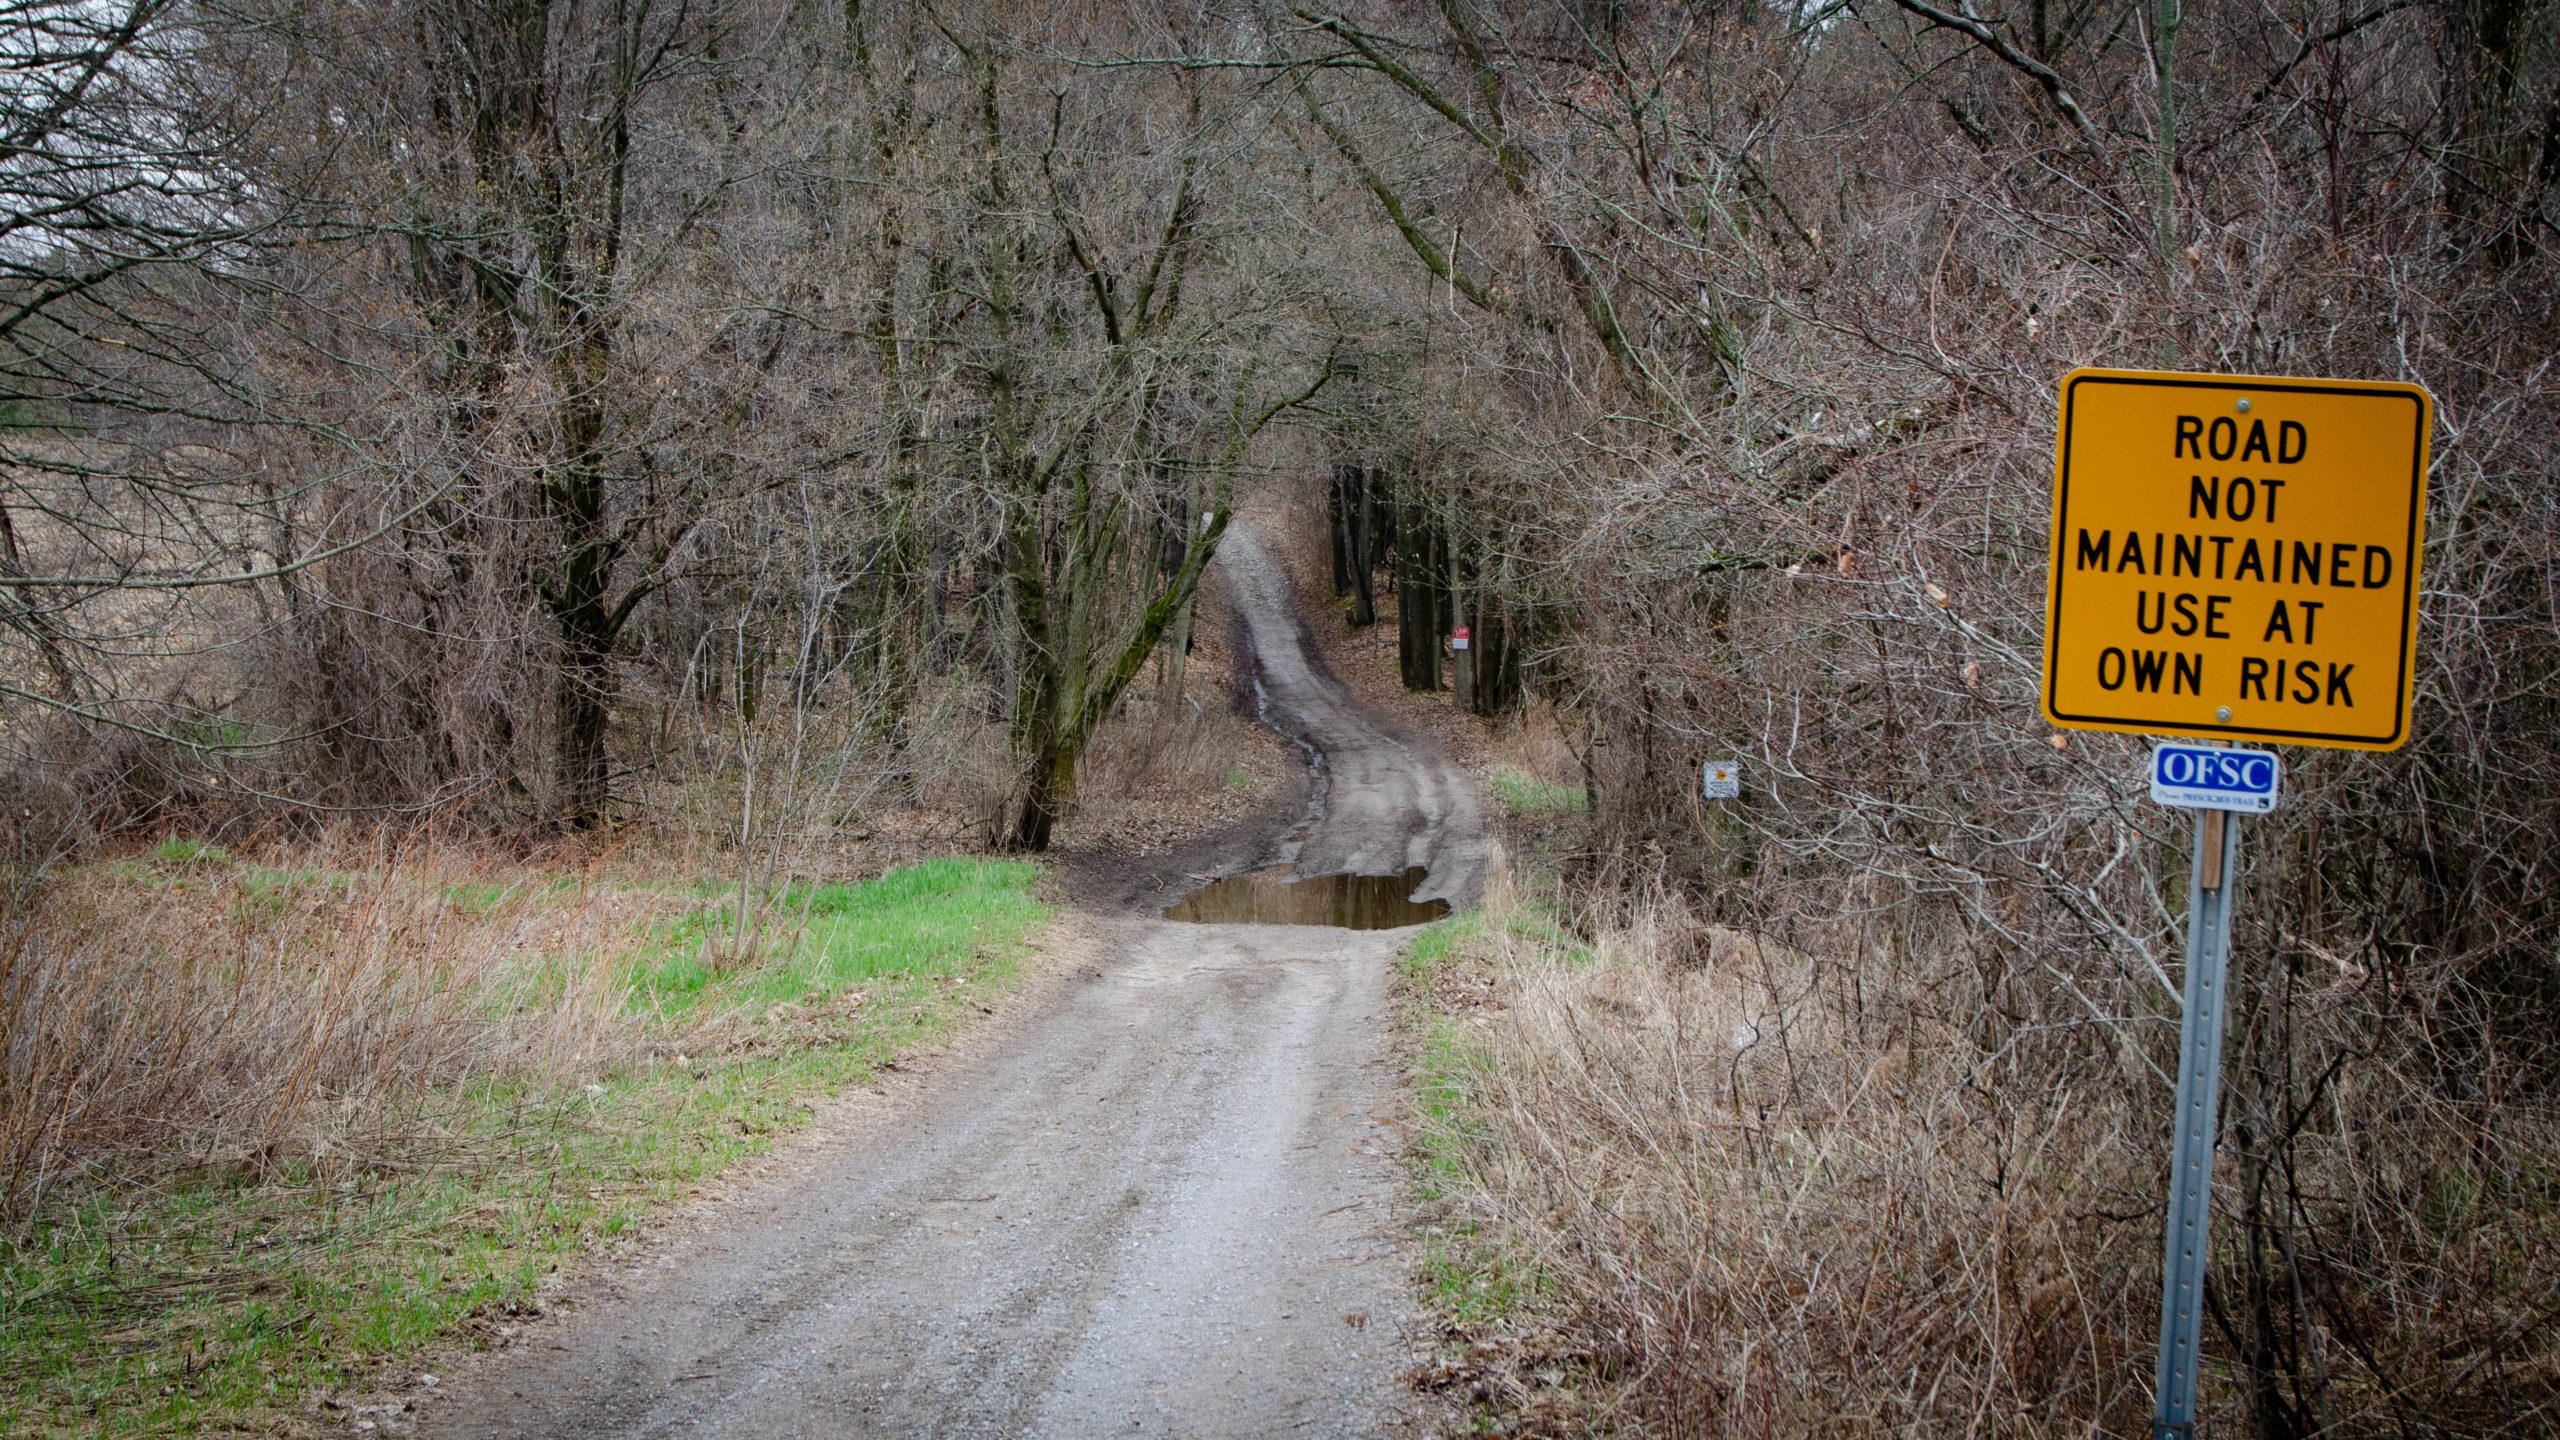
1501,1361
238,1297
1529,796
1470,1280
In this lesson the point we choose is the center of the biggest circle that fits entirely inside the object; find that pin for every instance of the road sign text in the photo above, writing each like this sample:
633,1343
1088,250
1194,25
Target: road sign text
2236,555
2204,777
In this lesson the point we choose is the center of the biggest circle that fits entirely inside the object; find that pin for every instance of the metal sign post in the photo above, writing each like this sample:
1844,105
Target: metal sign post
2233,556
2217,857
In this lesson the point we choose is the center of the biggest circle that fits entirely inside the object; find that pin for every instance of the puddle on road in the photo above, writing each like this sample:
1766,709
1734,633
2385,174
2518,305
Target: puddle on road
1269,897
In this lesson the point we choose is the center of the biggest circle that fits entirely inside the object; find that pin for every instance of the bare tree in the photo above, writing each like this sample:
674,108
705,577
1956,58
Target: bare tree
1114,358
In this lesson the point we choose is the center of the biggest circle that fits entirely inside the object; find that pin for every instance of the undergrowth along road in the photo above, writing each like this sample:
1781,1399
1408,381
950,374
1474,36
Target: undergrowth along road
1503,1364
245,1292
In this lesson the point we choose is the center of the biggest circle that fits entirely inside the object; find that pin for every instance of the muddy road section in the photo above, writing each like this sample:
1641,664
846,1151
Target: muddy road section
1158,1196
1374,801
1383,802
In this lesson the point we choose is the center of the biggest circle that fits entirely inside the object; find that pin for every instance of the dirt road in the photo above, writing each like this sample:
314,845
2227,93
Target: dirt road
1385,802
1159,1197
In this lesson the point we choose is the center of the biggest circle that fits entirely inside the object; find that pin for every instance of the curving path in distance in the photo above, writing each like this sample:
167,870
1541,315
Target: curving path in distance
1385,802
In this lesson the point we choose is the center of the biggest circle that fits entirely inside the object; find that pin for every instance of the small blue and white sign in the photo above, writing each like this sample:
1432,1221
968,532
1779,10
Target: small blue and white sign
2210,777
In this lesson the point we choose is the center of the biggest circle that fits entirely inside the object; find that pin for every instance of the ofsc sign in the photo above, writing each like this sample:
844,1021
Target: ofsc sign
2204,777
2236,555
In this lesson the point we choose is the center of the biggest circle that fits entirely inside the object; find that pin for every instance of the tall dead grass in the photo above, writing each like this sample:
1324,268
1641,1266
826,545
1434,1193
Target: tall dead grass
1155,754
1775,1193
185,1010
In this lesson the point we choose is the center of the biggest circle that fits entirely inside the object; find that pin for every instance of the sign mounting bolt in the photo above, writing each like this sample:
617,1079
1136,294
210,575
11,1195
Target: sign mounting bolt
2244,404
2224,713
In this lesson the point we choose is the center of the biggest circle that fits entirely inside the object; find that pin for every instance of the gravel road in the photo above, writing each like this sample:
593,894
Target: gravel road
1157,1196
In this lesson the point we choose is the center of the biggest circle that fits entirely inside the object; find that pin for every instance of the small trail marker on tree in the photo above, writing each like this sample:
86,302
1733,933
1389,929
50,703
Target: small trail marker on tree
2233,556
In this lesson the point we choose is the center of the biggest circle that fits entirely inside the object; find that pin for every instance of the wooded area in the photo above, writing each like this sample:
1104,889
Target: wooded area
511,413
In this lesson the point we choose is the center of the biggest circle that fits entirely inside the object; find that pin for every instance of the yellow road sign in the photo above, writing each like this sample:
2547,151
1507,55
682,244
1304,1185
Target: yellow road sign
2236,555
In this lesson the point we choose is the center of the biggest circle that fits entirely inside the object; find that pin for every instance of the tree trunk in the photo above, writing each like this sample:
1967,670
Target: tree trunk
1462,663
1497,654
1177,656
2499,185
1038,687
1490,650
583,778
1363,508
1050,788
1338,507
581,607
1418,599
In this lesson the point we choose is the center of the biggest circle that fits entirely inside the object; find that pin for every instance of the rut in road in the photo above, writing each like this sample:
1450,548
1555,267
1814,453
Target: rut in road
1384,802
1160,1198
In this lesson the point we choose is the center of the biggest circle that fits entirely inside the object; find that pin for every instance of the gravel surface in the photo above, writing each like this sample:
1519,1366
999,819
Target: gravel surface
1159,1195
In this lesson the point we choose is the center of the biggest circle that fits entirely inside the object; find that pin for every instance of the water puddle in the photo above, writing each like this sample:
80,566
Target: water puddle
1269,897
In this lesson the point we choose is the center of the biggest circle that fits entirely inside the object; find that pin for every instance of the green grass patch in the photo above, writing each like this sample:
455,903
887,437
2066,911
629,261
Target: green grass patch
1471,1278
1527,795
1466,938
1438,944
234,1301
190,852
927,919
488,897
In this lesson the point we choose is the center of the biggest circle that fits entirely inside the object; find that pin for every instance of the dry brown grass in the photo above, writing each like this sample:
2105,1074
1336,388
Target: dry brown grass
1175,761
1769,1193
186,1010
1533,744
269,1121
1150,761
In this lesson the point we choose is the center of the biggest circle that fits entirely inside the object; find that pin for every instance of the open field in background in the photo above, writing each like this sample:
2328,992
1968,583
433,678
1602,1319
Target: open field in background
1686,1184
267,1119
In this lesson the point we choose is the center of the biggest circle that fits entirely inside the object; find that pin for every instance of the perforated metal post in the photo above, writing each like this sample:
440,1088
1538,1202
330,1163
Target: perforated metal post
2199,1105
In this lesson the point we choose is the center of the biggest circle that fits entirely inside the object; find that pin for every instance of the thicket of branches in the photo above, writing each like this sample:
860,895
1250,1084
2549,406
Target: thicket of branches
1768,306
416,409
